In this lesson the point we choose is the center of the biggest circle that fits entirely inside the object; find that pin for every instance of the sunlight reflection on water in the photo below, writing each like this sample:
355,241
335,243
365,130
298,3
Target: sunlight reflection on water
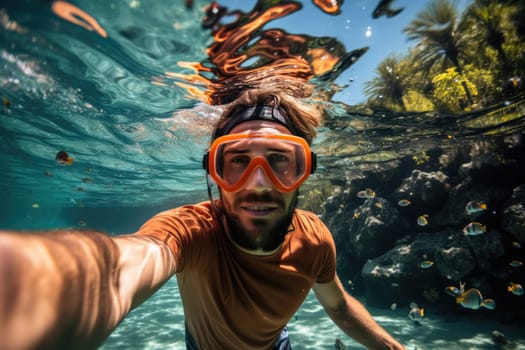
159,324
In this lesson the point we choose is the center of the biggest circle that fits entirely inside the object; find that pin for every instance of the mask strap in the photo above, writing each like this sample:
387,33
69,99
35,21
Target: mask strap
209,183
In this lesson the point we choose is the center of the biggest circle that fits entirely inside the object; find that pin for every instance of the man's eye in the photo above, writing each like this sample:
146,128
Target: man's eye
241,160
277,158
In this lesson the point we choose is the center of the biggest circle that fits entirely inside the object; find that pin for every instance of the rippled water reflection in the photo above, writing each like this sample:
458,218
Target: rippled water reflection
118,87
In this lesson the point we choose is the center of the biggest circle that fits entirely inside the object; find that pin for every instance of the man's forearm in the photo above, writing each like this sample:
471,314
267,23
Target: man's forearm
357,322
58,289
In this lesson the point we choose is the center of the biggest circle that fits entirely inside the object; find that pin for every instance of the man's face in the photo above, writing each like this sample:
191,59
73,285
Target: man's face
258,215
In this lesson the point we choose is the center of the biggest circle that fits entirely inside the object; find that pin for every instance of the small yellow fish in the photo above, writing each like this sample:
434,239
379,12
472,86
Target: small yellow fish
422,220
63,158
35,205
516,244
489,304
452,290
426,264
472,299
515,288
516,263
474,228
366,193
404,203
378,205
474,207
416,313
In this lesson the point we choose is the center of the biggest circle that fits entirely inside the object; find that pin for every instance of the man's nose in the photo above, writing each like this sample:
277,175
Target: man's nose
258,181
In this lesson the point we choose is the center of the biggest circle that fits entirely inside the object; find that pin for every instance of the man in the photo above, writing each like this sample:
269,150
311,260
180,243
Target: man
244,262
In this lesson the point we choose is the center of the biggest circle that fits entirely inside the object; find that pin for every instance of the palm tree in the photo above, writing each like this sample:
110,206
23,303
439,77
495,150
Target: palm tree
389,85
488,16
439,38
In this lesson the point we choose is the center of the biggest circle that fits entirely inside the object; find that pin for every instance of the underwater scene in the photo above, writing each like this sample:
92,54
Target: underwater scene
107,109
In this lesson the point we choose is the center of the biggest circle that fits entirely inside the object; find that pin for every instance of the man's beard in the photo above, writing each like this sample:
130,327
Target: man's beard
270,239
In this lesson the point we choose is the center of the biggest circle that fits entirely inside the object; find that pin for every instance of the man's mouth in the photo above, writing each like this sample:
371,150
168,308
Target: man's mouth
259,209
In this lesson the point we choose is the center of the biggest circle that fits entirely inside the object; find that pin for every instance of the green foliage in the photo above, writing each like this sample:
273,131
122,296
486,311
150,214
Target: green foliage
460,61
450,92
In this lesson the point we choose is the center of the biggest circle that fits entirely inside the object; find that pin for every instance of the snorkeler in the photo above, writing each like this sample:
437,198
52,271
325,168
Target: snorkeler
244,262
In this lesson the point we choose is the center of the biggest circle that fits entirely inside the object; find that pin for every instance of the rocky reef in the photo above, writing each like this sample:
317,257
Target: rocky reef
407,238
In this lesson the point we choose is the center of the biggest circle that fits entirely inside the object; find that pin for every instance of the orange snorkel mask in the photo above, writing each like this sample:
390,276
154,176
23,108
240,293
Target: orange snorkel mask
285,159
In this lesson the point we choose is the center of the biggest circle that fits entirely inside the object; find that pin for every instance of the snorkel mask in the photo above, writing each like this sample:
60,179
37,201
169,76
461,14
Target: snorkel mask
285,159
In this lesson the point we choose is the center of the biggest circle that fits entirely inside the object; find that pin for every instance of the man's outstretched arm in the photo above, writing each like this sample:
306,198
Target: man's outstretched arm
352,317
70,289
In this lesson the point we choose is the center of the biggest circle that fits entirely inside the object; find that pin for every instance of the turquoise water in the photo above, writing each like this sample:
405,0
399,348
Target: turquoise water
116,104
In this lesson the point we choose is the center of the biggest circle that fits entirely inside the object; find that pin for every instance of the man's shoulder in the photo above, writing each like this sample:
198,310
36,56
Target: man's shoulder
181,218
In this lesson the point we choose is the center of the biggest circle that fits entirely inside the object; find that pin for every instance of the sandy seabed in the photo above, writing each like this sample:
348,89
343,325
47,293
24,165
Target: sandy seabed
159,324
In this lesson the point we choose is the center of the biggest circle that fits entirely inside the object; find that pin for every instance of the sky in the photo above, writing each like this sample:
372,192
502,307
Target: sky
355,28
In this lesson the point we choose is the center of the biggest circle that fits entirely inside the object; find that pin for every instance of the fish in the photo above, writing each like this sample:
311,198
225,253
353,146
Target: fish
366,193
472,299
6,102
452,290
516,244
426,264
404,203
515,288
516,263
87,180
82,222
489,304
393,306
474,228
422,220
35,205
63,158
339,345
416,313
474,207
383,9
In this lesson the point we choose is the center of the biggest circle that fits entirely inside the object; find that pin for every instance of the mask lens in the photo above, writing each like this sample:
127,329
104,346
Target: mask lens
284,158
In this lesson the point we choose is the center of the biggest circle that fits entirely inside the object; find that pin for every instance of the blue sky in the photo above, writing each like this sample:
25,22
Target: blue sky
355,28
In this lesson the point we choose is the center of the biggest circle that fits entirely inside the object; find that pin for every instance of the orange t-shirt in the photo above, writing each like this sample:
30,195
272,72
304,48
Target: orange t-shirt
232,299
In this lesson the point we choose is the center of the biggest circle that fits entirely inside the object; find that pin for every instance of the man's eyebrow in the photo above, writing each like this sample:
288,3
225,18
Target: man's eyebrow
282,149
236,151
